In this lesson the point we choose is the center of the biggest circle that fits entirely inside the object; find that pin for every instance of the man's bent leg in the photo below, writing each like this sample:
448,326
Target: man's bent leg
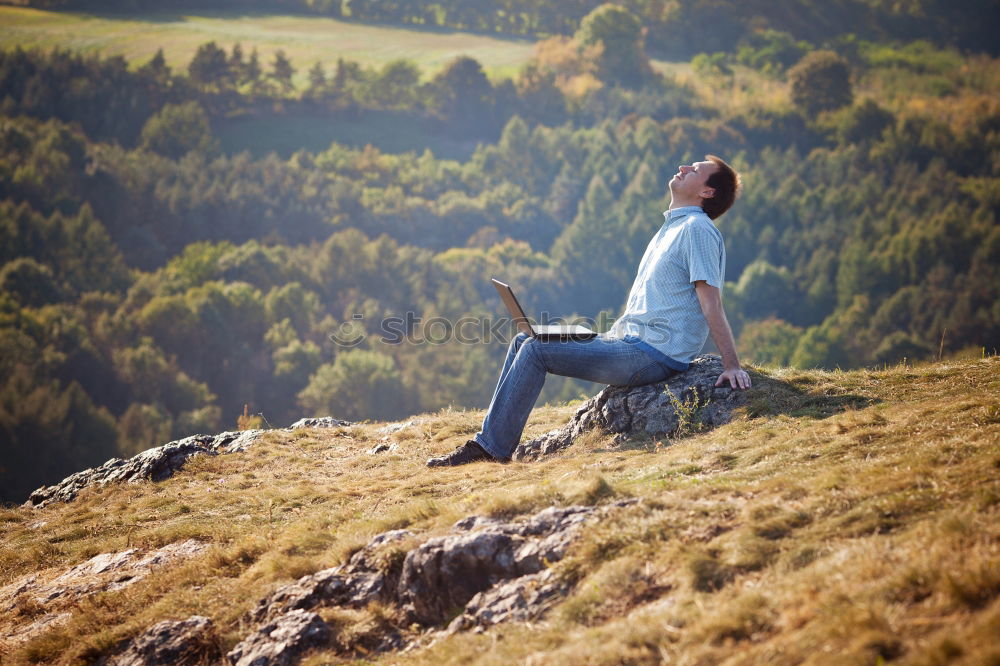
473,451
512,349
603,360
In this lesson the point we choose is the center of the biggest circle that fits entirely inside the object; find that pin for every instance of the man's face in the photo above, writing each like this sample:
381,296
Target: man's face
690,182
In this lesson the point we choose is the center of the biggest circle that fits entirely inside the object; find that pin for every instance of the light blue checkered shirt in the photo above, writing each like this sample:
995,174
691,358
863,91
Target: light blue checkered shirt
663,314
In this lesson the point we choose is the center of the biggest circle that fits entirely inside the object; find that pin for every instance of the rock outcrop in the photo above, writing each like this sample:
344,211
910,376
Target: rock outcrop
107,571
520,600
368,576
53,593
490,570
687,400
187,642
282,641
154,464
444,573
161,462
320,422
386,432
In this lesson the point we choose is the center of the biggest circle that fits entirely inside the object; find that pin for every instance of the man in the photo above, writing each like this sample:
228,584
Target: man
675,301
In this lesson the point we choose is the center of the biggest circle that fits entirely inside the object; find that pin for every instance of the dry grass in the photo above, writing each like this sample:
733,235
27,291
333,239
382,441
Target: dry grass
845,517
743,90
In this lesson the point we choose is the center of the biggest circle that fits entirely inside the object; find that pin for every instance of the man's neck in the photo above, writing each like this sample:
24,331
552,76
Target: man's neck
680,203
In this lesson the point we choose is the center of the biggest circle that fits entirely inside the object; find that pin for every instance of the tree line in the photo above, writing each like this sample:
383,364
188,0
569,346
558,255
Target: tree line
113,103
676,28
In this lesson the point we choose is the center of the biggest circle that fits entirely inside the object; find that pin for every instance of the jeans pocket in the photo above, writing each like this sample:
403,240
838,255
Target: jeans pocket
649,374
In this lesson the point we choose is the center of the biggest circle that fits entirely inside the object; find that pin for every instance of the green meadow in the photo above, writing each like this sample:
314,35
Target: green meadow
305,39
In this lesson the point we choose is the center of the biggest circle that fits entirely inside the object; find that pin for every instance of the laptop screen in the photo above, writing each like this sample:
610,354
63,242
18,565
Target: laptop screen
508,298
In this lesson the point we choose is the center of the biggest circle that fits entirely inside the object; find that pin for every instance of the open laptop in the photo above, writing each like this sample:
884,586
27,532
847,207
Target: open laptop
549,332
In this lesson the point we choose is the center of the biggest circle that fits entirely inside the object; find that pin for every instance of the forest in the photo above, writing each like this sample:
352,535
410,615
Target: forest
674,27
154,285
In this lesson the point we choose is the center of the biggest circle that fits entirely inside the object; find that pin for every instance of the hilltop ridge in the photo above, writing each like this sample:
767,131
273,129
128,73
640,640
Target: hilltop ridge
838,516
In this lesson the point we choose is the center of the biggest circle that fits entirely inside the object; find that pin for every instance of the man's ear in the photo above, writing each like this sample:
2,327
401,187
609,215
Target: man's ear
707,193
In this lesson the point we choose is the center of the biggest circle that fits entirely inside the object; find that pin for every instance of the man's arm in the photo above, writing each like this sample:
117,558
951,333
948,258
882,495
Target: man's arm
710,299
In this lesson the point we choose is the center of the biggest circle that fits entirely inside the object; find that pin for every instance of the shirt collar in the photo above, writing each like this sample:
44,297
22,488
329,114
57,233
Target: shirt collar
674,214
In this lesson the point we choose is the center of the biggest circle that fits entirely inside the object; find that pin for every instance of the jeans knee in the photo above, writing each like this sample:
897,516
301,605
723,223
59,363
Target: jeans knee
529,348
518,340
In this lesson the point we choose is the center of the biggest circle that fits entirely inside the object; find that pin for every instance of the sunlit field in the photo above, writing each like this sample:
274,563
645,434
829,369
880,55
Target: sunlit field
305,39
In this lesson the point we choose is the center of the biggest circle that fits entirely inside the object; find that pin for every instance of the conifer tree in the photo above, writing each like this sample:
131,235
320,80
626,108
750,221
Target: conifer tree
210,67
237,66
317,81
282,71
253,72
157,67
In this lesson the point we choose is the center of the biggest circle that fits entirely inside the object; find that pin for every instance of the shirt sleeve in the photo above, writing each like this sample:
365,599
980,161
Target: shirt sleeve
704,255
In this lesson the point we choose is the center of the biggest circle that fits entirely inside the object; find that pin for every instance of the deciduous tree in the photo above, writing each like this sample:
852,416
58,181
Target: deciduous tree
358,384
623,59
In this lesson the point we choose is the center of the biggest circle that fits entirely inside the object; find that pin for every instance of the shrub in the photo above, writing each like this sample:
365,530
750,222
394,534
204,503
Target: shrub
821,81
864,122
177,130
771,51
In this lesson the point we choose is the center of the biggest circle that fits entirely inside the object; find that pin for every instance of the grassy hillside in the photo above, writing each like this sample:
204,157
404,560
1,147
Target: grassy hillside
844,517
304,39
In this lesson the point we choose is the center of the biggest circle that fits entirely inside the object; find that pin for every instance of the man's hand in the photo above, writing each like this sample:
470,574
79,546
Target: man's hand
737,378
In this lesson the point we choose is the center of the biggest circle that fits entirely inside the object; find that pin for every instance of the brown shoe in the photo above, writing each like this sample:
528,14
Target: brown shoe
469,452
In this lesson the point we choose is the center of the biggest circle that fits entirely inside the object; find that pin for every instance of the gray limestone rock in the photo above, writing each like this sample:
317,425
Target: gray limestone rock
519,600
282,641
393,428
488,569
320,422
182,642
53,591
363,579
444,573
162,462
154,464
103,572
688,399
384,444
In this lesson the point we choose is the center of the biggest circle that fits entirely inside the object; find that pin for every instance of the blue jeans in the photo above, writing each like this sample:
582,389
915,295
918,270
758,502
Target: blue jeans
603,360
